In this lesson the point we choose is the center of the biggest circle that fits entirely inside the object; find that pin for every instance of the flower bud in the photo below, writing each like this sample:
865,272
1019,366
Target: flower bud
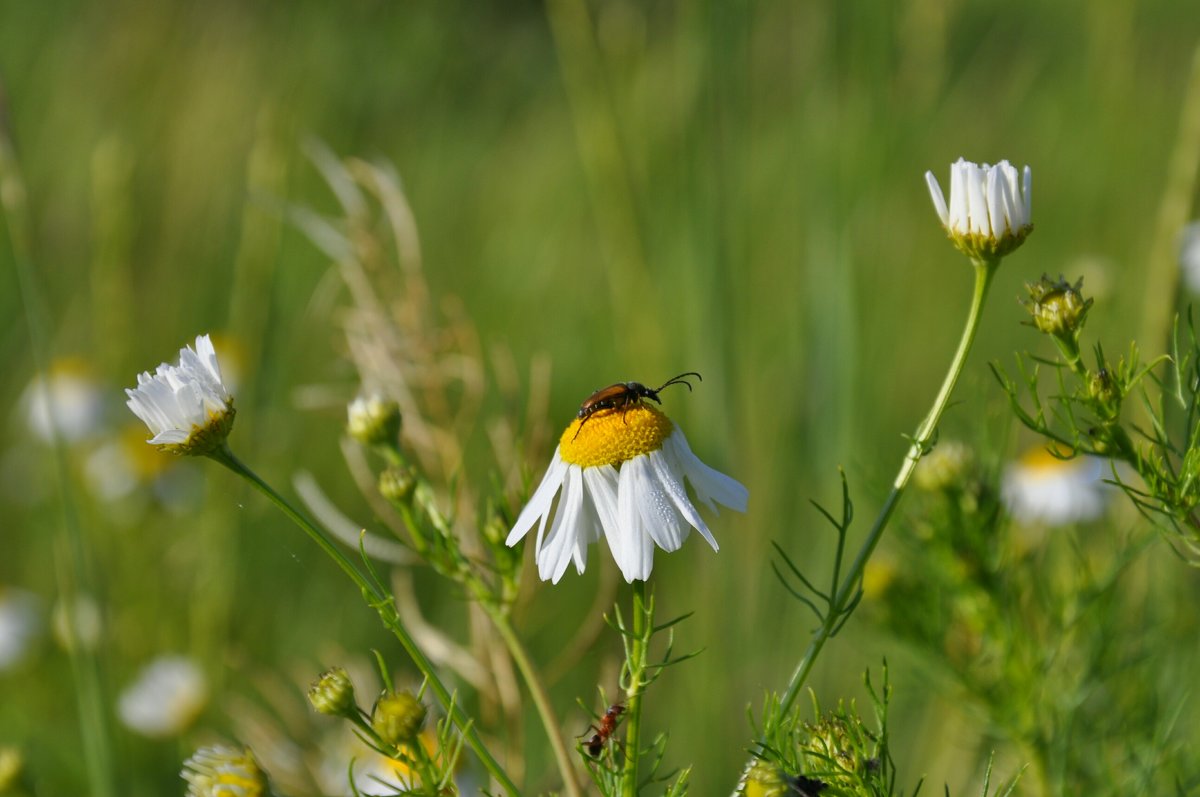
397,483
764,780
333,694
398,717
1102,389
373,421
1058,308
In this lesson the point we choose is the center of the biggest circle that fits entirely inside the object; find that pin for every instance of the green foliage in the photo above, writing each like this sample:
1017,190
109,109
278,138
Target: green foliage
1084,416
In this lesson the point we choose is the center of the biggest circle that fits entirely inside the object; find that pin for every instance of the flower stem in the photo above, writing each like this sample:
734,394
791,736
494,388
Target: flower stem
636,665
921,441
541,699
381,602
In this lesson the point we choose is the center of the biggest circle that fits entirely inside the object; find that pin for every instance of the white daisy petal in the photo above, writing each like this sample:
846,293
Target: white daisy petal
185,406
989,214
539,503
554,556
710,485
636,554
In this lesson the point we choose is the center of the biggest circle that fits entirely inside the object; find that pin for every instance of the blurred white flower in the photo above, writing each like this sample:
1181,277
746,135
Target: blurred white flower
1042,489
621,473
1189,256
78,628
186,407
167,696
20,625
66,401
223,771
990,209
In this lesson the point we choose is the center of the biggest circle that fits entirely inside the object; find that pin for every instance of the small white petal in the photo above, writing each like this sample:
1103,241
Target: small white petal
670,476
939,199
709,484
555,554
540,501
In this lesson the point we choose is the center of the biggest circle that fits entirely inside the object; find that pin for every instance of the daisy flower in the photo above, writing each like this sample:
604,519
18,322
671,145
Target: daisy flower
990,210
1042,489
621,474
167,696
223,771
66,402
187,406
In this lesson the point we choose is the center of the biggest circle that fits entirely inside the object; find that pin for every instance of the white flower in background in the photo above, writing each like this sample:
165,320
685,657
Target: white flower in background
1042,489
621,473
223,771
166,698
186,407
990,209
1189,256
78,628
373,774
20,625
66,402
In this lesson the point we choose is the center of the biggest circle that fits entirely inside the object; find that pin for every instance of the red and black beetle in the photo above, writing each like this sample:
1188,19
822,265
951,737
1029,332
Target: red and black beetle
623,395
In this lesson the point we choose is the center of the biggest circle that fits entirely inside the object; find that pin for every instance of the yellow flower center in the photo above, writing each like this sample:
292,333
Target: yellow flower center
1042,460
610,437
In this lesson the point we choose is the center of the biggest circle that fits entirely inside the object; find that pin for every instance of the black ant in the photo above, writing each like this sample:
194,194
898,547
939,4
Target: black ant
608,724
623,395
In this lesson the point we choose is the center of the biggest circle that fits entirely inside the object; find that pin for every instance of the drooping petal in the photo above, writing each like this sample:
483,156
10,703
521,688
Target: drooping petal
541,500
710,485
555,553
670,476
636,558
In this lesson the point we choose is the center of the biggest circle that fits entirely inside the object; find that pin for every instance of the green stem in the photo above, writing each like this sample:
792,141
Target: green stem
849,586
72,556
638,639
541,700
484,597
382,603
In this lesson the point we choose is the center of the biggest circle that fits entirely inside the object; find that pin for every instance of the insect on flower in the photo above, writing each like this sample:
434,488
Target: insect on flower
608,724
623,395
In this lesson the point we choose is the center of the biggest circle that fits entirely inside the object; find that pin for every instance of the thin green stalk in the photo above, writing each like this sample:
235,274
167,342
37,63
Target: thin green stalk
850,584
633,690
541,700
382,602
71,555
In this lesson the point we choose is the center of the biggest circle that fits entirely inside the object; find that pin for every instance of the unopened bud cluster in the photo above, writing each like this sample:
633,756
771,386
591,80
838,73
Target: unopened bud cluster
1058,308
373,420
398,717
333,694
397,483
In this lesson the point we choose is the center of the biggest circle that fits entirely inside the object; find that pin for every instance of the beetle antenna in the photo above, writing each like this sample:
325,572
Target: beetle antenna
679,380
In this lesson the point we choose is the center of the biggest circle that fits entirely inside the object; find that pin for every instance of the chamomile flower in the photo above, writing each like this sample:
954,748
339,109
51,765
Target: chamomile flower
223,771
66,402
990,210
187,406
166,698
621,474
1042,489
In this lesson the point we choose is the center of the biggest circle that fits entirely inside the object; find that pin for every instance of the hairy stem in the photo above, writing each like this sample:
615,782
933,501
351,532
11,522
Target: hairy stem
382,602
636,664
541,699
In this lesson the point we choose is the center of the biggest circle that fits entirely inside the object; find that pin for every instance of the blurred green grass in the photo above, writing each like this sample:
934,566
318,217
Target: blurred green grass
733,188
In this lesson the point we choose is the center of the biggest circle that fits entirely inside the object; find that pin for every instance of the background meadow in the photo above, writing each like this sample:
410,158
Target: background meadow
622,190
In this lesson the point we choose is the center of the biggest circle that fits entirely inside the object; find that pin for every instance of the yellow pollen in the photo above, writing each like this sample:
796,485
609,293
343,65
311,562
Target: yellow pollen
610,437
